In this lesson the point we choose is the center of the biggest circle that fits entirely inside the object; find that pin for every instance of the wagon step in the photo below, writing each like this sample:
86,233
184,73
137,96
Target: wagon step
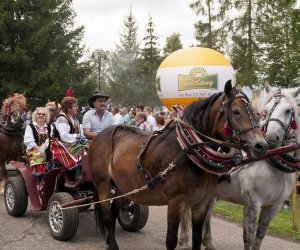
77,202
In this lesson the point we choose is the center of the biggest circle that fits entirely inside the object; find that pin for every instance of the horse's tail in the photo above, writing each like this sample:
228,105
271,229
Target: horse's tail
100,224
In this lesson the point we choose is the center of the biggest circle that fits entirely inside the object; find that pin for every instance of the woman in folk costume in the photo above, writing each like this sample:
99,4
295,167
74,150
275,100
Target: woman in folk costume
66,123
36,139
68,132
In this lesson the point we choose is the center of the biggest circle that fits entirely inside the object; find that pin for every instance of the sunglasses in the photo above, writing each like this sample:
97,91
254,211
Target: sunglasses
43,114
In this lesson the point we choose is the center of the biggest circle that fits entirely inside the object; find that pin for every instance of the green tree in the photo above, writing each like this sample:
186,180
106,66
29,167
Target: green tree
280,54
173,43
123,65
39,49
207,32
149,64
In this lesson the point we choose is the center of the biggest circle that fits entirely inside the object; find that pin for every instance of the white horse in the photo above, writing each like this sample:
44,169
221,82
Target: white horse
262,185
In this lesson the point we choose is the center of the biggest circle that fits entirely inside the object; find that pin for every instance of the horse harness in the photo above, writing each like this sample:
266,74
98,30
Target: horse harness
228,127
285,163
200,152
292,124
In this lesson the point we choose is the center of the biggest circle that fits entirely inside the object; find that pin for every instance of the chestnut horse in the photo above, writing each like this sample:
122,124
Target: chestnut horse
262,187
122,159
11,133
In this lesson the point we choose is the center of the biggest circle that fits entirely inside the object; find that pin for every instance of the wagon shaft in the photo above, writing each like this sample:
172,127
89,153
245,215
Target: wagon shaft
77,202
272,152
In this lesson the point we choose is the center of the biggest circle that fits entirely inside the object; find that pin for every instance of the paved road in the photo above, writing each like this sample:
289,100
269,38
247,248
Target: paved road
31,232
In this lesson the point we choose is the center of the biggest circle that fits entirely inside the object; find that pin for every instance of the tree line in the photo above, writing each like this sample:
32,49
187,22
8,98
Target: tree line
41,51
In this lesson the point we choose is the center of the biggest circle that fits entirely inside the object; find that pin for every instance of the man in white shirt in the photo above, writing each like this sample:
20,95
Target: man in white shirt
150,119
119,119
98,118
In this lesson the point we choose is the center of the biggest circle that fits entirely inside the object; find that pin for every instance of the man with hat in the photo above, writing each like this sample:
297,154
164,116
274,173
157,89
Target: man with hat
98,118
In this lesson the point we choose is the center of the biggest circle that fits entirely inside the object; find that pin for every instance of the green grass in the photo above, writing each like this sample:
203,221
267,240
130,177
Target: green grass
281,225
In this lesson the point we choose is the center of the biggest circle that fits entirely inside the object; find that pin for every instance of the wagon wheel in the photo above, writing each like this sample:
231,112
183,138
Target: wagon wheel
63,224
133,217
15,196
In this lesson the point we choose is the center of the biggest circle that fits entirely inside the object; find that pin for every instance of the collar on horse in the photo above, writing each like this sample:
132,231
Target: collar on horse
285,163
11,129
201,152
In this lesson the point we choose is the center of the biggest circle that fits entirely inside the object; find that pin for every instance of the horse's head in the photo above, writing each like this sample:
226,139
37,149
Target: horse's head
282,119
53,108
13,109
237,121
228,116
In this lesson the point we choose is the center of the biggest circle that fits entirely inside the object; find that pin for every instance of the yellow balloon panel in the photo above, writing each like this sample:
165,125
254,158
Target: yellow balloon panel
189,74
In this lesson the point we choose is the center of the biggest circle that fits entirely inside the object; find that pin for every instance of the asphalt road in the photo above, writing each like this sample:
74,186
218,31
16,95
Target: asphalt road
31,232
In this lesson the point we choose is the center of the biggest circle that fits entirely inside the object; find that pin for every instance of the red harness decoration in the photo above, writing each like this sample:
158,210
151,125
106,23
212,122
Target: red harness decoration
203,156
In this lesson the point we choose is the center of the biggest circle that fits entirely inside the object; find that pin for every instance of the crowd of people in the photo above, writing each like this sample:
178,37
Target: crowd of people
72,126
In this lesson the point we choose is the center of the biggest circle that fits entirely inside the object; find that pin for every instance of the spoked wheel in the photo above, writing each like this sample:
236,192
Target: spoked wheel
15,196
63,224
133,217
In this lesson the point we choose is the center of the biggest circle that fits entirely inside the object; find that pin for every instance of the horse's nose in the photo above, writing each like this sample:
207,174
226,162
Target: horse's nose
260,148
272,139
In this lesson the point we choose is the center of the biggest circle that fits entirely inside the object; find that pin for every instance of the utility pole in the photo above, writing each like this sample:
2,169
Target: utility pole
100,55
99,71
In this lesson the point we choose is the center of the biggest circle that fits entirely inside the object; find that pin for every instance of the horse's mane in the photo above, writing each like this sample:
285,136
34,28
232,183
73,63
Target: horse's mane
15,98
199,111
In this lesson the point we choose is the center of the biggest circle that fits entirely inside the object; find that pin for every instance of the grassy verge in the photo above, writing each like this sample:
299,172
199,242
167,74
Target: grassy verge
281,225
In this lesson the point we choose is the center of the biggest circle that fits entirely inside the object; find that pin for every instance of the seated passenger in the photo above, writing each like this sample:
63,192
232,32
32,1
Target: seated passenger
67,130
36,139
67,127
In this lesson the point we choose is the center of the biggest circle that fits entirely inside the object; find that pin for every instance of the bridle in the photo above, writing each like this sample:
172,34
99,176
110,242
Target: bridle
228,129
278,95
13,114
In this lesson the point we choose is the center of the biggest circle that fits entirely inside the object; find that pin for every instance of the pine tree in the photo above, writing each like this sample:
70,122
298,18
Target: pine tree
39,49
123,70
280,54
149,64
207,32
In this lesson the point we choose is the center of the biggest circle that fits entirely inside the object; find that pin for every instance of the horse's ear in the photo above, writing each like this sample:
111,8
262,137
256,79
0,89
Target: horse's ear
296,92
228,87
267,87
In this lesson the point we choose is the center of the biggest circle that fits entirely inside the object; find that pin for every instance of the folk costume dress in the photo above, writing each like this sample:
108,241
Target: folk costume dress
36,135
64,148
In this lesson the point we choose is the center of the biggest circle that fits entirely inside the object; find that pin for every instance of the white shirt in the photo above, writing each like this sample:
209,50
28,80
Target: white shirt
119,119
92,121
151,123
63,128
29,138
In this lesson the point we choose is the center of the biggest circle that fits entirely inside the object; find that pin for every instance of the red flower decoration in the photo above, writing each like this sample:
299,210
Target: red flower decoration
294,125
227,130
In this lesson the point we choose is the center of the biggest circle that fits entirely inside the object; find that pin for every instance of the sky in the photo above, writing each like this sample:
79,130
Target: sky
103,20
